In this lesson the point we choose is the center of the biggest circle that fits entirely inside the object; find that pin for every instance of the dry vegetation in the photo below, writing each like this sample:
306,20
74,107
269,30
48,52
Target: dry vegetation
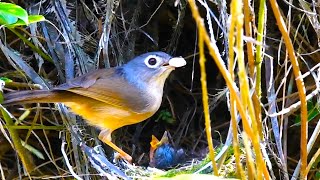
243,106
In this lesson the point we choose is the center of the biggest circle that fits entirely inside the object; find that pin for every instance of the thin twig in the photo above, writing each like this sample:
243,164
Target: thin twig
67,161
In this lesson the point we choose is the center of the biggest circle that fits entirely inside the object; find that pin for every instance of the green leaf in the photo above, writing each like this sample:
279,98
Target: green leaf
317,176
5,79
32,19
35,18
165,116
10,12
313,112
7,19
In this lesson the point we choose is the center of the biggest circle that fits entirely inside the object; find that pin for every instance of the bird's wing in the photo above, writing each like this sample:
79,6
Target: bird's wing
106,86
86,80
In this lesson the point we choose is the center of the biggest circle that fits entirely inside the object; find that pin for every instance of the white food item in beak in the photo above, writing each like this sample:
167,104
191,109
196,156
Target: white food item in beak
177,62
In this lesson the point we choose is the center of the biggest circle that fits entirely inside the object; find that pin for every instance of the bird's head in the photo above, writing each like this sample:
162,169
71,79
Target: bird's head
151,68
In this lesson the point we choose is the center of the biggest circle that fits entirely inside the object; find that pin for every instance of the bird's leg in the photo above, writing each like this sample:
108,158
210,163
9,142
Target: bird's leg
105,136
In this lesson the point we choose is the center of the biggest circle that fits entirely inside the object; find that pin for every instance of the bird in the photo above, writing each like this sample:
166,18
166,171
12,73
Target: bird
163,155
110,98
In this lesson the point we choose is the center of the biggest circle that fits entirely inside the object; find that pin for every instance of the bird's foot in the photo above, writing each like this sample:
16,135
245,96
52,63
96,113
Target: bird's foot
105,136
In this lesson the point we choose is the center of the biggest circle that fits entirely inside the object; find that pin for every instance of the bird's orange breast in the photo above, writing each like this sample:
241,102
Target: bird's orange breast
105,116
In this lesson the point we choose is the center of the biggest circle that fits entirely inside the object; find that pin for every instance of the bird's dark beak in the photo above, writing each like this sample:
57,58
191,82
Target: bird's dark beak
176,62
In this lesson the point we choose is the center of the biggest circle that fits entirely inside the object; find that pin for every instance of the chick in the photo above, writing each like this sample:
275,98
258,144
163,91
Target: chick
163,155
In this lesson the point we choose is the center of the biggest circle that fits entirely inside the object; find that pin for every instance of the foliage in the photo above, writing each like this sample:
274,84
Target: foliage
313,112
12,15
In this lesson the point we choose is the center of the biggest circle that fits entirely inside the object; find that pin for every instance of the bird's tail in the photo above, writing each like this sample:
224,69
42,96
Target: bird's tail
32,96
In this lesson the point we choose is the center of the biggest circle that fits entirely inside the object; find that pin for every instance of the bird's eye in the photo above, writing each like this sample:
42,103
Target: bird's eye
152,61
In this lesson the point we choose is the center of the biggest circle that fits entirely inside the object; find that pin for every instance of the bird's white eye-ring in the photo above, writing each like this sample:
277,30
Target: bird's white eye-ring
152,61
